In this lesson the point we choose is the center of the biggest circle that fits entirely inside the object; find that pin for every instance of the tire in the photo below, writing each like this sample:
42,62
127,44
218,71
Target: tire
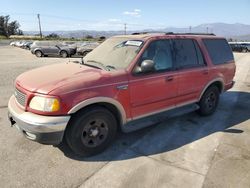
91,131
209,101
63,54
38,53
85,53
244,50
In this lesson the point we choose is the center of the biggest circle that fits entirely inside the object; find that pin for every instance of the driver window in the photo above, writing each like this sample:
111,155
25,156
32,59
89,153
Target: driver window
159,52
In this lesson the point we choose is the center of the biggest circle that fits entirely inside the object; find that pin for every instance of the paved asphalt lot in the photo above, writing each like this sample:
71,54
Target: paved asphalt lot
184,151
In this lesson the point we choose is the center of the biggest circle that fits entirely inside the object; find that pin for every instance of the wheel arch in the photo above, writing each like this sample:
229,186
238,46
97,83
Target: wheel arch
112,105
217,82
38,49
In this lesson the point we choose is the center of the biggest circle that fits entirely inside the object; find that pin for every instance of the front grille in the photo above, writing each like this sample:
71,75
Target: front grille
20,97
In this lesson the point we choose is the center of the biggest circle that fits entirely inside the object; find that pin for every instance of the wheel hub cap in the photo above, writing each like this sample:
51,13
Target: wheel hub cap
94,132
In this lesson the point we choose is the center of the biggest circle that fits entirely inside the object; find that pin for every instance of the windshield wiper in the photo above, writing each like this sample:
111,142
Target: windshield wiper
110,66
89,65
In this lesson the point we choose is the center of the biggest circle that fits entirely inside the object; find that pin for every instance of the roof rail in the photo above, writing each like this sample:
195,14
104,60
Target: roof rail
148,32
139,33
172,33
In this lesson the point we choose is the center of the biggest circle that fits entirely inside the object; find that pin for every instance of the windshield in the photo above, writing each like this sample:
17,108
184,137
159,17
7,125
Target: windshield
114,53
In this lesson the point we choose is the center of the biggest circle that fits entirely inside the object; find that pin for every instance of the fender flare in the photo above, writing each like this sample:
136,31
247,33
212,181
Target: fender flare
96,100
210,83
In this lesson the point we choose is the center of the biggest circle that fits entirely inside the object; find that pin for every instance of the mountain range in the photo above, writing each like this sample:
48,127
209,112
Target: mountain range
236,31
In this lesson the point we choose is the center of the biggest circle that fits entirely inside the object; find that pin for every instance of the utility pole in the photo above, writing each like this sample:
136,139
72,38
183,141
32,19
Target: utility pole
125,29
207,30
38,17
190,29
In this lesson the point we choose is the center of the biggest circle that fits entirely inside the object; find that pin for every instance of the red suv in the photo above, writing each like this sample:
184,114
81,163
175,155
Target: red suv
124,80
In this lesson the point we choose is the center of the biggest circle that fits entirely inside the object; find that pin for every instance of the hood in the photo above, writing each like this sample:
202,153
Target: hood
48,78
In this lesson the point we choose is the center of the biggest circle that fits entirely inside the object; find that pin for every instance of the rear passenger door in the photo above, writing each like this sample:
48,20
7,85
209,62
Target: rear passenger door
45,48
54,48
192,70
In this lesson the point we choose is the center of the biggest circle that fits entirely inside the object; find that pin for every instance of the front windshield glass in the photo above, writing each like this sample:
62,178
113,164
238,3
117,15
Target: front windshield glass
114,53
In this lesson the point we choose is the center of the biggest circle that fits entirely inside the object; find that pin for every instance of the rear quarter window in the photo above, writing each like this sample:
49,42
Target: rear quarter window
219,50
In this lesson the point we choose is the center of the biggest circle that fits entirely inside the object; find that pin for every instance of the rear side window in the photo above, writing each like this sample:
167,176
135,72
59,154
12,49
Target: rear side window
187,53
219,50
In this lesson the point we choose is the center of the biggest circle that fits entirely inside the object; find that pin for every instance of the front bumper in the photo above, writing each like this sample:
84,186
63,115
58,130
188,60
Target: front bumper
43,129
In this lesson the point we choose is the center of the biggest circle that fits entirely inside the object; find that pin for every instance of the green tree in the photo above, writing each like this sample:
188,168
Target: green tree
89,37
9,28
53,35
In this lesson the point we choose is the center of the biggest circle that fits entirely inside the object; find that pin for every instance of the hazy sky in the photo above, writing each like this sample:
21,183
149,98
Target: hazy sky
112,14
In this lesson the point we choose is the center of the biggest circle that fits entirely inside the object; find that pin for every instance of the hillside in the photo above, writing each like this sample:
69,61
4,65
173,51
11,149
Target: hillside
222,29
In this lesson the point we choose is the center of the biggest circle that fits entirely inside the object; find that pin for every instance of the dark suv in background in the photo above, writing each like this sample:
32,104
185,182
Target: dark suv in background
51,48
246,46
239,47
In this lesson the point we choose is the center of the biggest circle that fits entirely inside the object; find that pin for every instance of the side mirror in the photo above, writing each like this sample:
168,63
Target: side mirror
147,66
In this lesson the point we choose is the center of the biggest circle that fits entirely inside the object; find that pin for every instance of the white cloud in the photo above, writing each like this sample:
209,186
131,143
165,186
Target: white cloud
134,13
114,20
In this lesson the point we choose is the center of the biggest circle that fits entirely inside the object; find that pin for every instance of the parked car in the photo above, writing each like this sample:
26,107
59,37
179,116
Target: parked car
119,86
27,45
84,49
238,47
51,48
13,43
246,47
19,43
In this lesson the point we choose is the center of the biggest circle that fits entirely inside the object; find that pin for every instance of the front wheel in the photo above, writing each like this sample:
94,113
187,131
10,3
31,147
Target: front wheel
91,131
38,53
64,54
244,50
209,101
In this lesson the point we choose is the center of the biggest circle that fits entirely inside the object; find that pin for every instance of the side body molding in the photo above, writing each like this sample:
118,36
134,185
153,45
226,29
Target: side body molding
101,100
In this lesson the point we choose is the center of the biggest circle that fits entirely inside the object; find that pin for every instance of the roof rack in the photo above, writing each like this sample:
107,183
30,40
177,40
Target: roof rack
172,33
148,32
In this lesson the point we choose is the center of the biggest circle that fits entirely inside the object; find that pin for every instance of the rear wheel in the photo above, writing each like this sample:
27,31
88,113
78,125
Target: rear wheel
209,101
38,53
91,131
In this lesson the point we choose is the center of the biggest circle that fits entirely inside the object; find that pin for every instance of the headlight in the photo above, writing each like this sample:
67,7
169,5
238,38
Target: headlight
44,104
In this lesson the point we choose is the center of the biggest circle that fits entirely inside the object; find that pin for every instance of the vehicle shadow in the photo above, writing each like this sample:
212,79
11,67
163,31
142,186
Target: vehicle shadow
173,133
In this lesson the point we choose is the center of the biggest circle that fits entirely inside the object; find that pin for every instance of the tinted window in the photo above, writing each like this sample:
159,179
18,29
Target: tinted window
187,53
199,54
160,52
219,50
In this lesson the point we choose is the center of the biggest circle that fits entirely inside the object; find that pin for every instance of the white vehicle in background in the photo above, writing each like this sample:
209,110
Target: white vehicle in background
19,43
13,43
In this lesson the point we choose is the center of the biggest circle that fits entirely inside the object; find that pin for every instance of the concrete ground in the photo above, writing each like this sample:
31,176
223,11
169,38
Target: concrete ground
185,151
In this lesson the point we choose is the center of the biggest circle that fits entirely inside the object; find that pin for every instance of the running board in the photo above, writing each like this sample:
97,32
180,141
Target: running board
158,118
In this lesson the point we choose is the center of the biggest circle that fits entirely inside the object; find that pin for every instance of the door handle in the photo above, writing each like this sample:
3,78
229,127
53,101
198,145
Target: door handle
169,78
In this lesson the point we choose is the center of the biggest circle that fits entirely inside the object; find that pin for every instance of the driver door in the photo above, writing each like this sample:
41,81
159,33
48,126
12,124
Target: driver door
155,91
